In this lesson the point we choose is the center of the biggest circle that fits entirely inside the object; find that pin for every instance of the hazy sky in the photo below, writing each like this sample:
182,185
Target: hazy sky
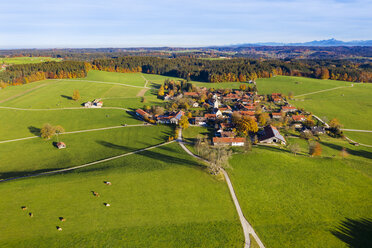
132,23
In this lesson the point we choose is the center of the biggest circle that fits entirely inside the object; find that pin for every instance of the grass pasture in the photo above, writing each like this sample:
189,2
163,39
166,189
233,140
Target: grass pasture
26,60
158,198
298,201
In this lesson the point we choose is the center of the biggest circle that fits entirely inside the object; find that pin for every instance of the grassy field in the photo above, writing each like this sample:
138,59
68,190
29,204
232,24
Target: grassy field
361,137
352,106
298,201
297,85
159,198
82,148
26,60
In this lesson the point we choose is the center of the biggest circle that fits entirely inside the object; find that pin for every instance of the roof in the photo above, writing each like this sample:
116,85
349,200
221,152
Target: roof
288,107
251,113
210,115
271,132
179,115
276,114
141,112
227,140
276,94
61,144
298,117
191,94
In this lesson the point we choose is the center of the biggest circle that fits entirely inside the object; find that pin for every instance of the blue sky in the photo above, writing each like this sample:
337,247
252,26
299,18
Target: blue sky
114,23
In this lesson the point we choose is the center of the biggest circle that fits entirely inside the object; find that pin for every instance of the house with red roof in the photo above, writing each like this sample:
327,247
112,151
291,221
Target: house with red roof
231,141
289,108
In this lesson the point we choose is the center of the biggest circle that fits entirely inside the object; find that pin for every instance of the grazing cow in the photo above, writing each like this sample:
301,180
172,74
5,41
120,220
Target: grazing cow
24,207
107,183
107,204
31,214
95,194
62,219
59,228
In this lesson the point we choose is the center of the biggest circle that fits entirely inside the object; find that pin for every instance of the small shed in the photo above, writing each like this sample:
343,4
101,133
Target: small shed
61,145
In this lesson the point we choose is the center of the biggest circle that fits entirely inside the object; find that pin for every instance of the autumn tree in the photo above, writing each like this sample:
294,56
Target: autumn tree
161,91
344,153
294,148
290,95
324,73
334,123
47,131
58,130
184,122
309,122
235,117
76,95
248,145
315,149
263,118
246,125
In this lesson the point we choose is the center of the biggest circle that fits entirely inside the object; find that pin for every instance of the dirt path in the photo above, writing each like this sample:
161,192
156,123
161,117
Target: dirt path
79,131
247,228
22,93
142,92
86,165
320,91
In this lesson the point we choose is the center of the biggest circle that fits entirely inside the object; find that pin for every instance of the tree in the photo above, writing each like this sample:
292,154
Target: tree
242,86
246,125
248,145
263,118
218,157
306,135
324,73
76,95
161,91
235,117
184,122
58,130
2,85
334,123
290,95
294,148
47,131
344,153
309,122
315,149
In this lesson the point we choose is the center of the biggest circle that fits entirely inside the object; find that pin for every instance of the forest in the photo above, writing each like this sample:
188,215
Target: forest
239,69
195,69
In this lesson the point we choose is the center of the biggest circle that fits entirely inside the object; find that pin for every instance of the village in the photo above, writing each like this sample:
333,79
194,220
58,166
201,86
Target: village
235,116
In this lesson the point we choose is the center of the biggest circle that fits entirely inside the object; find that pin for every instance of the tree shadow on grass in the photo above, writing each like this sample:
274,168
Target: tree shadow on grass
355,233
12,175
162,157
360,153
67,97
34,130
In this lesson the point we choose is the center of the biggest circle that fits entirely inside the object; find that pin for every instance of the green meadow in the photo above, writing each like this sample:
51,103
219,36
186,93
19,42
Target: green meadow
26,60
158,198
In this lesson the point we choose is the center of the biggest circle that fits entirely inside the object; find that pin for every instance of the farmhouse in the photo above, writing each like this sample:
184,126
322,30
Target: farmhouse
289,108
276,115
271,135
95,104
200,121
228,141
142,114
298,118
61,145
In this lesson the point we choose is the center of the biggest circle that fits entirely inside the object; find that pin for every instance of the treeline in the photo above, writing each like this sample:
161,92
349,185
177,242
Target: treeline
238,70
26,73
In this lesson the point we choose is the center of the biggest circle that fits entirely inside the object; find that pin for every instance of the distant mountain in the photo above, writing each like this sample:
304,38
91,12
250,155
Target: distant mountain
329,42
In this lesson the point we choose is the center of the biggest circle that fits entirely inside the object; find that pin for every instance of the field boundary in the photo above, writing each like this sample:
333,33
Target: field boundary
78,131
21,94
101,82
320,91
86,165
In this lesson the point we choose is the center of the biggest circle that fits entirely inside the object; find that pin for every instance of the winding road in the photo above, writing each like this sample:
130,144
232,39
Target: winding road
247,228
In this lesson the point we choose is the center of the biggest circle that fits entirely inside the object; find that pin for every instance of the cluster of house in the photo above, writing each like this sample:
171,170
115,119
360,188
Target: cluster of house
97,103
221,107
170,118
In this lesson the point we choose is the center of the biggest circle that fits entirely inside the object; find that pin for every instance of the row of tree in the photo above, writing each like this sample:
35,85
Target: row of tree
26,73
237,70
